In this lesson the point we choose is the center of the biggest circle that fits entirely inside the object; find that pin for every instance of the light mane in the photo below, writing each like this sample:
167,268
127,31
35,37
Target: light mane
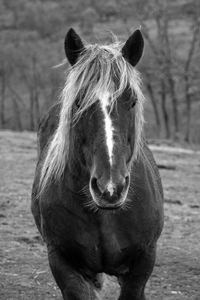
94,73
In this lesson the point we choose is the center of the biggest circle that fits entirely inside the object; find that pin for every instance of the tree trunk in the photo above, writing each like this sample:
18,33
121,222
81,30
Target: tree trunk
155,108
164,110
37,108
17,114
188,109
32,123
174,104
163,33
3,99
187,75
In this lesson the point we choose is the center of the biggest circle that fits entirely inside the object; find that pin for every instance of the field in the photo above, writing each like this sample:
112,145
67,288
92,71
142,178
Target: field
24,271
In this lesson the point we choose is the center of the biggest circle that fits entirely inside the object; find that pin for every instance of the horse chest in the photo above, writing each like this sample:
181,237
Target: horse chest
115,245
109,251
100,246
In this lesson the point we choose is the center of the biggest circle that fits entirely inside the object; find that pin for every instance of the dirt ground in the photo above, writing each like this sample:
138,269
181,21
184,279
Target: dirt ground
24,271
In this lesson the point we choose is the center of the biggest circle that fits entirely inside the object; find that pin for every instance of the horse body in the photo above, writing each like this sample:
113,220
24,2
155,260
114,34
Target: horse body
85,240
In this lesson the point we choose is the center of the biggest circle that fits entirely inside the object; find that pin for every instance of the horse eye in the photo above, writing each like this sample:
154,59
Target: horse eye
131,98
134,100
77,103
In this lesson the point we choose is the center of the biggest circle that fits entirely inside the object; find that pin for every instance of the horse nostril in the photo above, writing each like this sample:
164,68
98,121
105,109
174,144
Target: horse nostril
127,179
94,183
96,186
110,192
122,186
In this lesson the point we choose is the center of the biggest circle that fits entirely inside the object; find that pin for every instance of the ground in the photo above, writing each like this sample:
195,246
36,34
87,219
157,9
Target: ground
24,271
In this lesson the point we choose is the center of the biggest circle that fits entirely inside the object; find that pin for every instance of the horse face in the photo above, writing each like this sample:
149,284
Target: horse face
110,174
106,137
107,130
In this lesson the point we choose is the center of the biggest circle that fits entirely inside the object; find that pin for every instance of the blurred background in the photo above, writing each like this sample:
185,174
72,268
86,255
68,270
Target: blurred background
32,34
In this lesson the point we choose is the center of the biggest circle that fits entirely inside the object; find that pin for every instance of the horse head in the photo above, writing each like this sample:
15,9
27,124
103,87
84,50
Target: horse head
107,130
101,118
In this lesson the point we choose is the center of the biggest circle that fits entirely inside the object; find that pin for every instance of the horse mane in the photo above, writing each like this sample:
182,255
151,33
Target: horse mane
95,72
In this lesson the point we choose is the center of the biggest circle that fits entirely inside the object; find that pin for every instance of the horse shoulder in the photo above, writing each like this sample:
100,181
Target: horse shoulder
147,195
152,167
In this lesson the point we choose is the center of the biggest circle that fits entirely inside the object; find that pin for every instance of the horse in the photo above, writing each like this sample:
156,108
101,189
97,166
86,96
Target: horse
97,196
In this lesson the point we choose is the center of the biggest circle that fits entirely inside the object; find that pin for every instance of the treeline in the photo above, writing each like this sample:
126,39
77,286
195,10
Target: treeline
32,33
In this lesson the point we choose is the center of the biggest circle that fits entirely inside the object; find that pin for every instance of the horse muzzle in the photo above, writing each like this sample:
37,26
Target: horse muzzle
109,194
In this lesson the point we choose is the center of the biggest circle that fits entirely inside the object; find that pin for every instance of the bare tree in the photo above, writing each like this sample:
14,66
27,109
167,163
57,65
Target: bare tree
3,96
187,73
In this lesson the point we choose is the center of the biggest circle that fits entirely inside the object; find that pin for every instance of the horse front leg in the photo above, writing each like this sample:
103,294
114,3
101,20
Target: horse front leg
133,283
71,283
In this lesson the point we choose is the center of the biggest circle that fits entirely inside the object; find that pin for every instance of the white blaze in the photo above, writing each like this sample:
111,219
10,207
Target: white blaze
105,105
110,187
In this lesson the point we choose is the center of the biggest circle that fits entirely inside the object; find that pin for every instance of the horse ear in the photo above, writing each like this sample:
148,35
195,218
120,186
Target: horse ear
73,46
133,48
